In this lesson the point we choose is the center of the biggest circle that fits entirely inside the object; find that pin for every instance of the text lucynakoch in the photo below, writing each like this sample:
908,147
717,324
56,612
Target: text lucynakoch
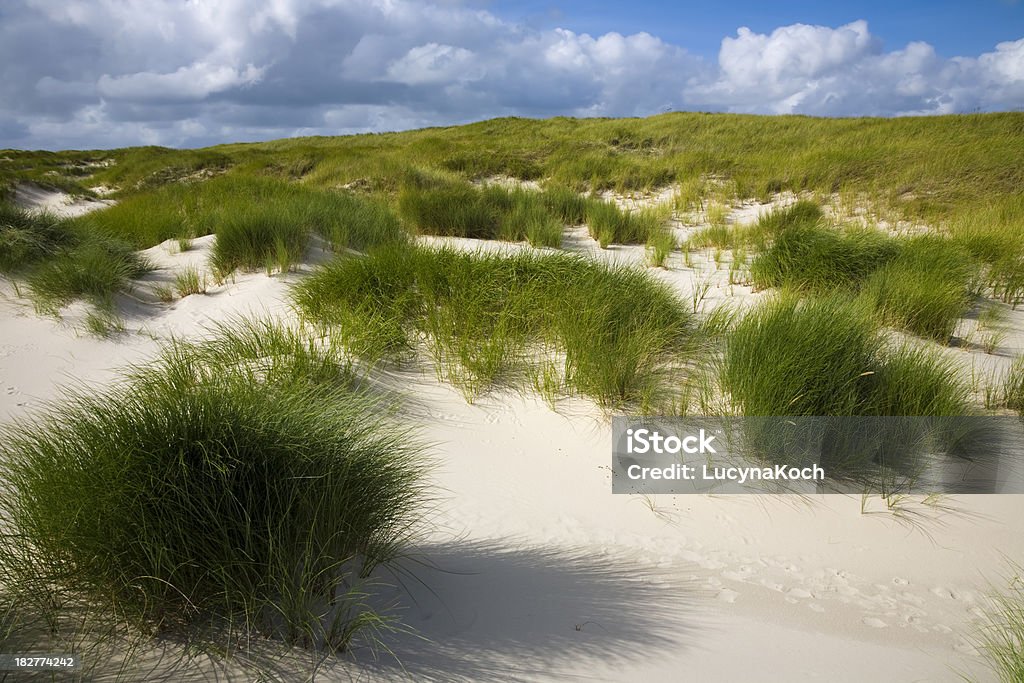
719,473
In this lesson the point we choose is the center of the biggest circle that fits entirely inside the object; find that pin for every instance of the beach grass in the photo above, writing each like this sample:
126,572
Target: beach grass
28,238
94,270
925,289
807,255
62,263
257,216
489,320
238,489
458,209
189,281
1013,386
1001,638
825,356
609,224
921,284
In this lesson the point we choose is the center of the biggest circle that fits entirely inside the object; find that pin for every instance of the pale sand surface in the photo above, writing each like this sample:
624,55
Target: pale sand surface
535,571
37,198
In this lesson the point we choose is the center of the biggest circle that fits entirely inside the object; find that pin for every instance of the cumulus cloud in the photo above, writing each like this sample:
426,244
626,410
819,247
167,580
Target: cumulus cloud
95,73
193,82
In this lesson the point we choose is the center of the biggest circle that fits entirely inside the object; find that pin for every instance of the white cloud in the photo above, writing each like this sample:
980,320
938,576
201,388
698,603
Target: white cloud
186,72
843,72
193,82
433,63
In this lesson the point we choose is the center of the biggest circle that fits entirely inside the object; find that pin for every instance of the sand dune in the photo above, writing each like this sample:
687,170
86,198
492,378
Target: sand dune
539,573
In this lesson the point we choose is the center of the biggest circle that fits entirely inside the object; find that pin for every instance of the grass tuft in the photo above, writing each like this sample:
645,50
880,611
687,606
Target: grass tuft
189,281
488,320
94,270
28,238
825,356
925,289
236,488
608,224
1001,638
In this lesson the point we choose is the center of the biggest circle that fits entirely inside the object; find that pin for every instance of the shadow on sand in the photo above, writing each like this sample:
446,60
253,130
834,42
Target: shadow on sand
496,610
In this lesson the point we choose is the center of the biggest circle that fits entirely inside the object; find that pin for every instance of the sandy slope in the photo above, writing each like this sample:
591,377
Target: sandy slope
37,198
536,571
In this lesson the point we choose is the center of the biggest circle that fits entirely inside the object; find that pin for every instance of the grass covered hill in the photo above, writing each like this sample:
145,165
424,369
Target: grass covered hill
930,167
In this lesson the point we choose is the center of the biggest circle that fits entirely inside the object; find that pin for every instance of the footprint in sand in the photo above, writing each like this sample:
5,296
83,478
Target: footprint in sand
899,581
727,595
874,622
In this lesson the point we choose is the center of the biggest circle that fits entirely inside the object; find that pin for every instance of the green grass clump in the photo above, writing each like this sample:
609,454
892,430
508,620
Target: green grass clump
489,320
455,209
1001,638
565,203
660,244
62,263
94,270
189,281
360,223
608,224
236,488
259,204
920,284
800,214
825,356
540,227
452,210
1013,386
925,289
270,237
811,257
28,238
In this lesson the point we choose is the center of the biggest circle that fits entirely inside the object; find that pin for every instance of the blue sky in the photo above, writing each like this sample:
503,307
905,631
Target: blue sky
963,27
110,73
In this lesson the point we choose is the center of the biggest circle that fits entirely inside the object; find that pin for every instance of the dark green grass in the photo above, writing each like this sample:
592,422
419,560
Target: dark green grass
807,255
257,220
921,284
608,224
565,203
62,263
236,488
260,223
457,209
926,289
825,356
270,237
803,213
610,333
28,238
93,270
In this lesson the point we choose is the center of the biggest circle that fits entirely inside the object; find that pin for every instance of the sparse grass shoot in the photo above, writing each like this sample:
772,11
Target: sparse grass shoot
189,281
1001,638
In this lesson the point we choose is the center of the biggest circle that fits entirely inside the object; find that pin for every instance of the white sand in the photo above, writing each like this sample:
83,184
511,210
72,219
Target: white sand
540,573
37,198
